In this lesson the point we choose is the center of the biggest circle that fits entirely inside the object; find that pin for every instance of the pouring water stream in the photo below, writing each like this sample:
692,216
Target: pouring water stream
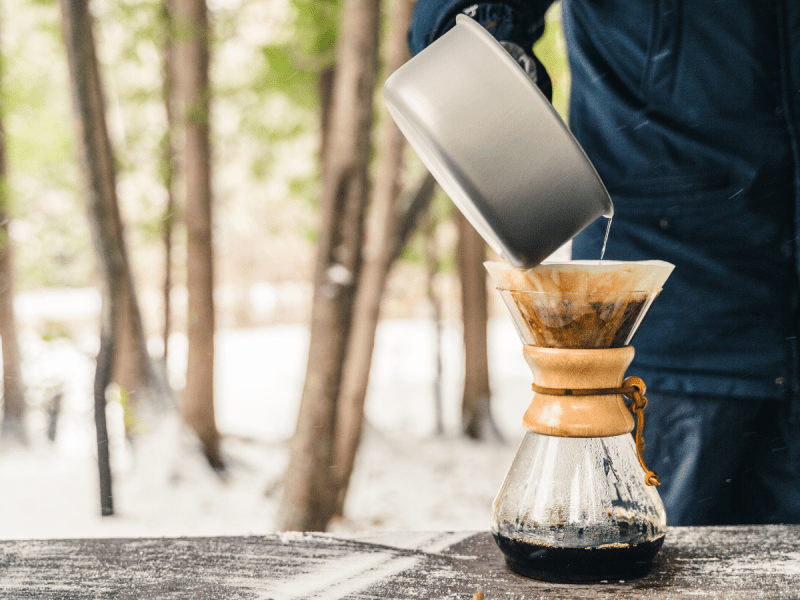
605,240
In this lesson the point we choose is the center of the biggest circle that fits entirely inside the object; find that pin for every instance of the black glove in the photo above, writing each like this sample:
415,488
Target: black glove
510,24
525,61
531,65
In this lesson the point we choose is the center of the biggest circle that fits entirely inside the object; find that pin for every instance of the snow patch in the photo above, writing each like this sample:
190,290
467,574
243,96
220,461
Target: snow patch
406,478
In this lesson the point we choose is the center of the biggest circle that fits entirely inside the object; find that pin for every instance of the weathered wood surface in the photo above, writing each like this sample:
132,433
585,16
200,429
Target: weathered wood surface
714,562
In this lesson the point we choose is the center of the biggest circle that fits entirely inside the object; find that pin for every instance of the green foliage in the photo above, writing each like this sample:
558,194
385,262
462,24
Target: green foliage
292,63
273,103
48,226
316,29
129,419
284,73
55,330
152,230
310,234
304,187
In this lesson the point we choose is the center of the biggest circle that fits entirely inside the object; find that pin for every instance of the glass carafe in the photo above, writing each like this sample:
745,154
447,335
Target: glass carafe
578,509
577,504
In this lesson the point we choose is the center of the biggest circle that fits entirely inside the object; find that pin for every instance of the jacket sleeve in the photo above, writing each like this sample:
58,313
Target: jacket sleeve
517,21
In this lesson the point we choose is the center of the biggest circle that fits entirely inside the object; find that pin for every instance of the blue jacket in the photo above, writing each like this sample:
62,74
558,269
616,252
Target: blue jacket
689,111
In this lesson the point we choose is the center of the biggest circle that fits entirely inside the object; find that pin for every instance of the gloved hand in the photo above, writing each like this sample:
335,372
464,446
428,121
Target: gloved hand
505,22
531,65
523,60
511,22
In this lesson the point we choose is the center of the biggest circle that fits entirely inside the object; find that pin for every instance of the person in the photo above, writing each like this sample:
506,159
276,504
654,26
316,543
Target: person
689,112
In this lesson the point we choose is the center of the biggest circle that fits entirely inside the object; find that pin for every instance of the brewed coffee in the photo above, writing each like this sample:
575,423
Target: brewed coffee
578,565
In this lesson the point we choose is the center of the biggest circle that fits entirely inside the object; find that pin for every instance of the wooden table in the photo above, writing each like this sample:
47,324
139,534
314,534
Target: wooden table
701,562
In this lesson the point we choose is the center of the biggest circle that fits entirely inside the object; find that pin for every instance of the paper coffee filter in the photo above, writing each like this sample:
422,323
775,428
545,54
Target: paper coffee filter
582,277
579,304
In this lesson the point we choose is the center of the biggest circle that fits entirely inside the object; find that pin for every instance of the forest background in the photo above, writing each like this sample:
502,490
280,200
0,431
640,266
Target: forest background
272,71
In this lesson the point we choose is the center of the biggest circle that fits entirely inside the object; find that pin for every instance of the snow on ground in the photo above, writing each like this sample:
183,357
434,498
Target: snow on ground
406,477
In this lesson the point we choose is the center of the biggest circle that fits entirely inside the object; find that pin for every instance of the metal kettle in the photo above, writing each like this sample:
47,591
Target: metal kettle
495,145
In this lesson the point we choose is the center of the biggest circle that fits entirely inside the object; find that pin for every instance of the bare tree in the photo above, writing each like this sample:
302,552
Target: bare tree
432,267
475,407
168,163
325,83
197,407
123,354
132,367
102,377
14,408
309,497
379,254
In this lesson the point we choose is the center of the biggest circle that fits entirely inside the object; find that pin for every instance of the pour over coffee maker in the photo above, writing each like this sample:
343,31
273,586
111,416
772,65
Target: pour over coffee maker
578,503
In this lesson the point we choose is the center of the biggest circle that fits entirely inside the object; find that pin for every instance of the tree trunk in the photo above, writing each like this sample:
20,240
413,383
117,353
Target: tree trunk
417,205
14,408
102,377
168,164
309,498
382,231
198,400
326,79
432,268
475,412
132,370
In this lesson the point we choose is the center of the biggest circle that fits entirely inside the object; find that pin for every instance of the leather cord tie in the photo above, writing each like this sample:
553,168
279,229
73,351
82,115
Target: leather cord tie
633,389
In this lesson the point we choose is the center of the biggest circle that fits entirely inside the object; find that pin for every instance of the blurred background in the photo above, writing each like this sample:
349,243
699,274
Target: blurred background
233,301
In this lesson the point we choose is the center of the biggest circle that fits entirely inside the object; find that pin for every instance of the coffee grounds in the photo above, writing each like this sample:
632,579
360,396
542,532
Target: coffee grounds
564,323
